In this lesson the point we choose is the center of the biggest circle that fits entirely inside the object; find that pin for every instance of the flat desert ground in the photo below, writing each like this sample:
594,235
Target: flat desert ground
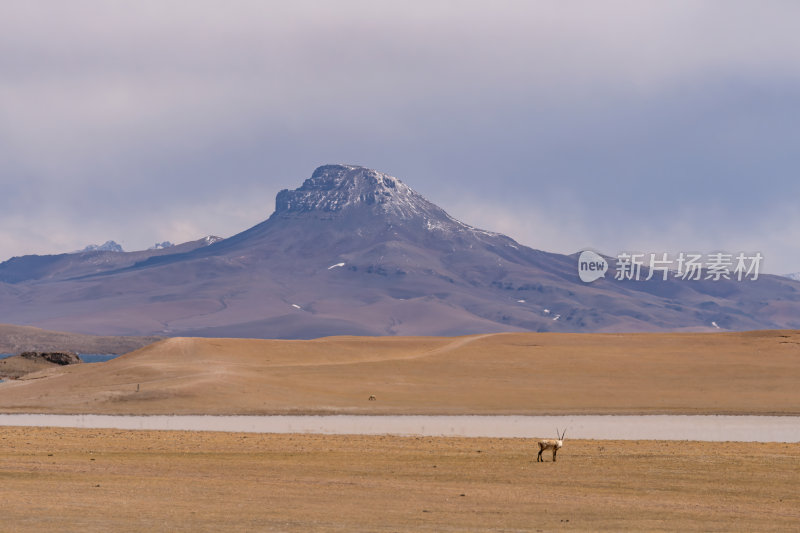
112,480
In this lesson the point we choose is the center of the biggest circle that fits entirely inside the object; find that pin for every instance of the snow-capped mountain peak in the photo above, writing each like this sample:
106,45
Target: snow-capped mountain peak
334,191
338,188
108,246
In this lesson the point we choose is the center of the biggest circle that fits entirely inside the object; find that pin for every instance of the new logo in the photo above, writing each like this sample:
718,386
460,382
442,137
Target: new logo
591,266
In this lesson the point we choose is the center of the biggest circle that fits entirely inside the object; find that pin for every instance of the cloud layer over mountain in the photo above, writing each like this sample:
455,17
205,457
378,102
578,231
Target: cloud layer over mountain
613,125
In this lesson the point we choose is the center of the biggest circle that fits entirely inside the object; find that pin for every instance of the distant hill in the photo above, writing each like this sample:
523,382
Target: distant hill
108,246
16,366
752,373
62,267
356,251
18,339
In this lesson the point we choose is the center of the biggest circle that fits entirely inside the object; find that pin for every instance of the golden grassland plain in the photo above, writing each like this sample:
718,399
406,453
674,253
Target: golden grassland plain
513,373
109,480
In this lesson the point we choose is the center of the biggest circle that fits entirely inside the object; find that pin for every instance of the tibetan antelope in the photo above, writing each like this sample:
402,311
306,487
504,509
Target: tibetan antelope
548,444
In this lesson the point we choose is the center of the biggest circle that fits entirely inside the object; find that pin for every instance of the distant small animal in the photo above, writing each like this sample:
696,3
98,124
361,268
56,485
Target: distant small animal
551,444
372,398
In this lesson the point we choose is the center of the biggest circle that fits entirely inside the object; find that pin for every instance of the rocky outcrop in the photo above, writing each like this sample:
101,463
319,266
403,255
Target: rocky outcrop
59,358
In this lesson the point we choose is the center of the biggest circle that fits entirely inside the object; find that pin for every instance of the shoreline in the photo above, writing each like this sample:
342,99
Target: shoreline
701,428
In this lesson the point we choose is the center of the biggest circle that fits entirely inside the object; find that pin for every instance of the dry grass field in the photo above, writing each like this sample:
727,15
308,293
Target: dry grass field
17,366
532,373
110,480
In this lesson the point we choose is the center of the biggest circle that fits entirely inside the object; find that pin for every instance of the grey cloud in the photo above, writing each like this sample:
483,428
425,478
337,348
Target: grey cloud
177,109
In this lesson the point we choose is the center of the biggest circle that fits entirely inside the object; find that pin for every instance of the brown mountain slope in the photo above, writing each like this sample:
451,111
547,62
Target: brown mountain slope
747,373
353,251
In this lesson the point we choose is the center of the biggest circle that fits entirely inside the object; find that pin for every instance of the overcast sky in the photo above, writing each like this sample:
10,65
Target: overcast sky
618,126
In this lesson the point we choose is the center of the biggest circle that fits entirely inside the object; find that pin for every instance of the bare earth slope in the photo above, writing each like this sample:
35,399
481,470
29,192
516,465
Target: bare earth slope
530,373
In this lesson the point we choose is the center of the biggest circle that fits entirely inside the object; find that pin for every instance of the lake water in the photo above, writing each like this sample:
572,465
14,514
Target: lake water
97,357
645,427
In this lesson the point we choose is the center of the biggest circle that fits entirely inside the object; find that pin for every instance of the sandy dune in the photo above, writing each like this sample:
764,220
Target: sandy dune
533,373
